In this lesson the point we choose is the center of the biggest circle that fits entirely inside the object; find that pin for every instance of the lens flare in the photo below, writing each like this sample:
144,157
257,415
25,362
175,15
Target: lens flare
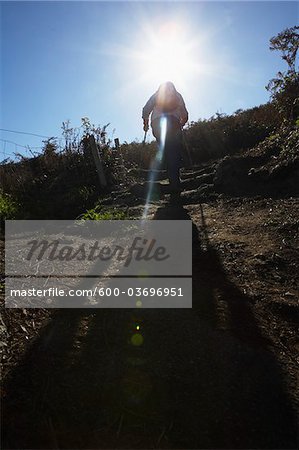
163,127
139,304
155,166
137,340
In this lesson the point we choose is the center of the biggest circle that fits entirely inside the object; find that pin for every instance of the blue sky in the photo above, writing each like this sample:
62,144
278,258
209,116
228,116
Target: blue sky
66,60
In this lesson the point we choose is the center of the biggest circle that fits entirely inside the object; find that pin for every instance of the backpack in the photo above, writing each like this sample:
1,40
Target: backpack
168,103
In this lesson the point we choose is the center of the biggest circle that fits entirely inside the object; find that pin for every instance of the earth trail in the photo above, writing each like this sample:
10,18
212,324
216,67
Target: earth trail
219,375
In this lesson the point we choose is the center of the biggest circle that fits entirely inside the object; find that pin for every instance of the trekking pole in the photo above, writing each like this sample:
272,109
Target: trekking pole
143,144
144,139
186,145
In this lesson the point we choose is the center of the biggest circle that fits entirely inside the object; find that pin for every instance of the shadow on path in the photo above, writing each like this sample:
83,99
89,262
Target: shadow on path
188,378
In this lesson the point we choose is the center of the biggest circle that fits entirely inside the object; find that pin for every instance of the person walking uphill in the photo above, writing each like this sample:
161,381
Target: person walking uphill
168,116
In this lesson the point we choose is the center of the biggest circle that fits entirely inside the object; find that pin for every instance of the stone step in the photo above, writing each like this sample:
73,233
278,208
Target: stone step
159,189
160,175
193,183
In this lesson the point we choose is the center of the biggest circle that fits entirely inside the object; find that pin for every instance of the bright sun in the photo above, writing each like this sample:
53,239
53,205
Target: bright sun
168,55
159,52
156,52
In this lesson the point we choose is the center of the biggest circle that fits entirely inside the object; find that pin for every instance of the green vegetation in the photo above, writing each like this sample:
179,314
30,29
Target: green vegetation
98,213
8,207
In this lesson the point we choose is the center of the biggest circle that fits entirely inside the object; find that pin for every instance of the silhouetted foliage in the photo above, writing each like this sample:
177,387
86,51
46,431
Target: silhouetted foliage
284,88
229,134
60,183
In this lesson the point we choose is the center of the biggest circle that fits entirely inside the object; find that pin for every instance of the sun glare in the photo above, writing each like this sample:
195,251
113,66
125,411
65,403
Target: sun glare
159,52
172,50
168,55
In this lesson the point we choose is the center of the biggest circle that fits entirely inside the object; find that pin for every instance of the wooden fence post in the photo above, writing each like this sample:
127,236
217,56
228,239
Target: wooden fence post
117,146
98,162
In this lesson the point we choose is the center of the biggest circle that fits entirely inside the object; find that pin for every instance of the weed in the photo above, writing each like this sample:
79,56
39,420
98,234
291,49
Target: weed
98,213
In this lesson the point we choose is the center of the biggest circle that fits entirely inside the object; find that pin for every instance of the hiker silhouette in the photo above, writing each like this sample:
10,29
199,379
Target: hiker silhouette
168,116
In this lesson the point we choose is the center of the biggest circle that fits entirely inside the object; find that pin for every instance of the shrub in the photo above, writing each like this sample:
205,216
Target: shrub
9,208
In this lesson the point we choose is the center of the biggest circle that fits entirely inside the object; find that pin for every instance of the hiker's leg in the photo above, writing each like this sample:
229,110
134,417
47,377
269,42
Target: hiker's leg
174,169
156,162
174,153
156,129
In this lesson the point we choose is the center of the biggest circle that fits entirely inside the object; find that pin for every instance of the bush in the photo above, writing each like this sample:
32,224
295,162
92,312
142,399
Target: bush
57,185
223,135
9,208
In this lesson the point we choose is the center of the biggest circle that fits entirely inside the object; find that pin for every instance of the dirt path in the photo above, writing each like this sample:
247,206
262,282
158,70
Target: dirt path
222,375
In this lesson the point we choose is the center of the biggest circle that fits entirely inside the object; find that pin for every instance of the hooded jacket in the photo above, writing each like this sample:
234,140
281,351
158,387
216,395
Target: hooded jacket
180,112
